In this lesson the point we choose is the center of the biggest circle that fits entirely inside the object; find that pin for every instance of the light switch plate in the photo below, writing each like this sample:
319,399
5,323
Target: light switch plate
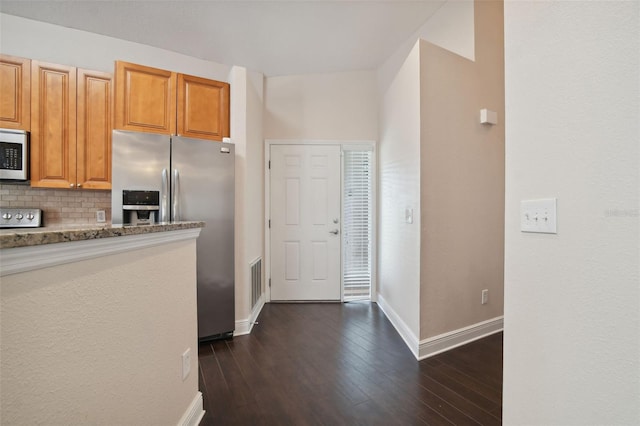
538,216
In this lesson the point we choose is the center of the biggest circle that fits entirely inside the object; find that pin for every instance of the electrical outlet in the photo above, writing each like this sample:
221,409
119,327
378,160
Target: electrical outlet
485,296
101,217
186,363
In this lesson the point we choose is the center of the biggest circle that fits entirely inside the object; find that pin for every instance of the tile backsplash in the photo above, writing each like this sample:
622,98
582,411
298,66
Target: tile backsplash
59,206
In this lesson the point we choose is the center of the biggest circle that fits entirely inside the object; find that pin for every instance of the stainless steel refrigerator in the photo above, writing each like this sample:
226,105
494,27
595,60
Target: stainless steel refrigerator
195,179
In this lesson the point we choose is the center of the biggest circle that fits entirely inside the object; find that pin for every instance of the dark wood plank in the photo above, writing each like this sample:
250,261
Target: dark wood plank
463,404
466,393
344,364
455,379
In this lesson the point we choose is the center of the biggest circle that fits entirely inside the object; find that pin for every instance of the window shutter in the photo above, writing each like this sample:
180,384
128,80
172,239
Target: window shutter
357,224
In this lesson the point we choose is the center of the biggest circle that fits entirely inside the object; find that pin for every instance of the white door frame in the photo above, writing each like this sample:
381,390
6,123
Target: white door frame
267,207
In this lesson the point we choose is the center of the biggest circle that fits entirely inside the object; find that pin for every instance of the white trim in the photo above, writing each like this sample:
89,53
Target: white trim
341,223
267,216
374,224
242,327
23,259
452,339
246,325
410,339
443,342
194,413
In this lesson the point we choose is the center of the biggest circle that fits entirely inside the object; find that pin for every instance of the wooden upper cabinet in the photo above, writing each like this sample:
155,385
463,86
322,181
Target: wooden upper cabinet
53,133
145,99
203,108
15,94
94,125
71,114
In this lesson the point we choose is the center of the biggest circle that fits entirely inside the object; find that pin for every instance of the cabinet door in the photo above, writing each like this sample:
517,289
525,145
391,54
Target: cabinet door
53,133
94,122
15,83
203,108
145,99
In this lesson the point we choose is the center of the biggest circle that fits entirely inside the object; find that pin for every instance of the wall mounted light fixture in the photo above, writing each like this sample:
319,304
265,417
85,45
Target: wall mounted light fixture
488,117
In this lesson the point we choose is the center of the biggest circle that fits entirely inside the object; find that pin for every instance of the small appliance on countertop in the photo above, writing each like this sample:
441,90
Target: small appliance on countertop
23,217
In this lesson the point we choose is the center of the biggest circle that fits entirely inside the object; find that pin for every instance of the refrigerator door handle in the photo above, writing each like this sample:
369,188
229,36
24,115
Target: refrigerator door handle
164,196
176,196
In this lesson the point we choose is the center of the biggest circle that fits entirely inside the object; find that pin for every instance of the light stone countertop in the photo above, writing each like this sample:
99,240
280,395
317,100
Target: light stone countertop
25,237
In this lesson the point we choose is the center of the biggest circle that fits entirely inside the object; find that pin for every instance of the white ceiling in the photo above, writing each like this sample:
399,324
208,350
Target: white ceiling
275,37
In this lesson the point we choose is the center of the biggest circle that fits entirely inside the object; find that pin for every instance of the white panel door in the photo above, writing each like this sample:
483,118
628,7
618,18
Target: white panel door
305,222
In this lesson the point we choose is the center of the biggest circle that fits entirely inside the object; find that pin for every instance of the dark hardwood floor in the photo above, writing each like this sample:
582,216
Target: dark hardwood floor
344,364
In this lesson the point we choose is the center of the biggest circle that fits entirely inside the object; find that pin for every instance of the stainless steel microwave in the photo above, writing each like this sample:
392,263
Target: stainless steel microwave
14,154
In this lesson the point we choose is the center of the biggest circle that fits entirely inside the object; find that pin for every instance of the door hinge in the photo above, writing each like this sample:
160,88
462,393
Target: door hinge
269,223
269,164
269,282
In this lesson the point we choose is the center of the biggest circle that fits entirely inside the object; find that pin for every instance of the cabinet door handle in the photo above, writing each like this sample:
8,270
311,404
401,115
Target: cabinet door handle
71,185
79,185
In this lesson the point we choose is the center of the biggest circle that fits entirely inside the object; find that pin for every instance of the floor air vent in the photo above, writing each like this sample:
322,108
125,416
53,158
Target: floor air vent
256,281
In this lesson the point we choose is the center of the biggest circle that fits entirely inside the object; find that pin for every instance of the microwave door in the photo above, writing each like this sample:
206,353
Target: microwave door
14,155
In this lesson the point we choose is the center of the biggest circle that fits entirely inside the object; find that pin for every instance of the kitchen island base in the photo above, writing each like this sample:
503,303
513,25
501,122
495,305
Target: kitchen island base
99,339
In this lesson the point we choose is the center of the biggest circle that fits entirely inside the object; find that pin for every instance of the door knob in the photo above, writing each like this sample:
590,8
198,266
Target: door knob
334,232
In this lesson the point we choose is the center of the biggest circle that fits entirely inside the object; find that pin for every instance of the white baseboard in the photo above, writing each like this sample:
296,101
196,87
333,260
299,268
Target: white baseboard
410,339
194,413
452,339
443,342
244,326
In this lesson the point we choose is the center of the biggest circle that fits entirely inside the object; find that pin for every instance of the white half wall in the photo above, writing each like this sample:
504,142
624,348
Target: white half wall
572,300
100,340
399,189
53,43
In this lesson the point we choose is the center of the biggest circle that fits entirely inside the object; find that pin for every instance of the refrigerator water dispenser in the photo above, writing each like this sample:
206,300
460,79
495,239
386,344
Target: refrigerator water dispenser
140,207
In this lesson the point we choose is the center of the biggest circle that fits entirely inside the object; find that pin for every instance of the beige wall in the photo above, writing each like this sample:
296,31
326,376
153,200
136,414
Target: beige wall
572,300
462,180
100,341
339,106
